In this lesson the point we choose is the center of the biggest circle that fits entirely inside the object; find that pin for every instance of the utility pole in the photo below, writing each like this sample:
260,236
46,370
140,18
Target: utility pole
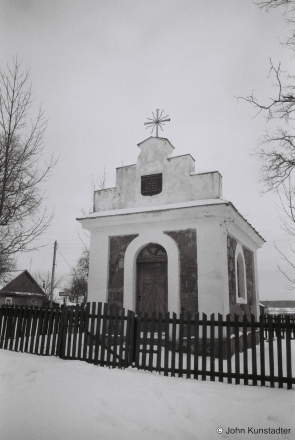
52,275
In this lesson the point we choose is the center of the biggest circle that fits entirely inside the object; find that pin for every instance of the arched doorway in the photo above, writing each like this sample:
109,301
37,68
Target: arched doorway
152,293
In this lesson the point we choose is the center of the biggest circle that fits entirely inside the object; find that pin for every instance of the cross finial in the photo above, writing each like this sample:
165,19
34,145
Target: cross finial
157,121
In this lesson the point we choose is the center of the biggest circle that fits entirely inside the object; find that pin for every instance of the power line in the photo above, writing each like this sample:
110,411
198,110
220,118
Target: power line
53,271
64,258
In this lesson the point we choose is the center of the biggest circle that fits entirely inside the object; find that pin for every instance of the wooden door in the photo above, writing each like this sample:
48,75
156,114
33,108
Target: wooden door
152,288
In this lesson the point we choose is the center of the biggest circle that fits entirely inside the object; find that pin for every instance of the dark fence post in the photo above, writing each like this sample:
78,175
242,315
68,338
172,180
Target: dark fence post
86,330
80,331
103,334
288,353
91,336
13,327
57,314
49,331
144,340
196,347
39,328
228,349
2,314
8,326
75,331
137,337
33,329
98,334
245,347
115,339
220,348
19,327
166,361
279,348
5,311
159,351
61,334
28,329
152,342
204,346
188,345
23,328
130,341
180,345
173,344
44,330
110,334
121,327
254,357
265,320
237,349
69,332
271,354
212,354
262,352
134,340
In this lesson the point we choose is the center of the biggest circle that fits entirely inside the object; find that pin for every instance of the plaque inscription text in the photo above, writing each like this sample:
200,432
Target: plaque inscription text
151,184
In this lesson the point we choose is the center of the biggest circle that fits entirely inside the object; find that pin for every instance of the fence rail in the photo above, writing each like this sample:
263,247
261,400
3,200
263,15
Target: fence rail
199,347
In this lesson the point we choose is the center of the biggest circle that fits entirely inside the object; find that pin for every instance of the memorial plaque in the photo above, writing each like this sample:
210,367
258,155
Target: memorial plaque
151,184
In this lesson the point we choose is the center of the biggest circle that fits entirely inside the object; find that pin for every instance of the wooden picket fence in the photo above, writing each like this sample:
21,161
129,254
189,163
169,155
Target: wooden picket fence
200,347
283,321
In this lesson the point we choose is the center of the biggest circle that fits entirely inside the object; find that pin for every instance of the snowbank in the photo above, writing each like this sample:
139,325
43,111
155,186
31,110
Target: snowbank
46,398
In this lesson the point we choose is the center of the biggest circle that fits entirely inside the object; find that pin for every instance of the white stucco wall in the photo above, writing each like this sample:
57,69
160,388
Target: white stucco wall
212,223
212,267
180,182
187,201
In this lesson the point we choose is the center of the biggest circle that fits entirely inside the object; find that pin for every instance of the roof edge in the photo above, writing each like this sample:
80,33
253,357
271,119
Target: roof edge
154,137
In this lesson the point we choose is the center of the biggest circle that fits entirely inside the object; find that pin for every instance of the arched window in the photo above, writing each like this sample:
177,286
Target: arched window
241,285
152,252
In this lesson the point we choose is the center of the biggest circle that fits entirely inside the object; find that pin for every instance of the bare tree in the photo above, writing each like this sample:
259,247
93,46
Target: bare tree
43,278
78,285
278,159
277,147
286,195
7,264
100,183
96,183
21,148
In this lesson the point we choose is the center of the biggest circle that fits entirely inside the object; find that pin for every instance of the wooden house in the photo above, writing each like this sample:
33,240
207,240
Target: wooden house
22,290
279,307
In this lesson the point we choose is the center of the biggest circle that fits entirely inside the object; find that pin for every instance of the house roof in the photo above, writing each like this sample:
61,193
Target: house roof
177,205
144,209
10,284
290,304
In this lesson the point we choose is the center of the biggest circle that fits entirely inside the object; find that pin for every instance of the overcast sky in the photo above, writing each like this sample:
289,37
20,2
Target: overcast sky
100,68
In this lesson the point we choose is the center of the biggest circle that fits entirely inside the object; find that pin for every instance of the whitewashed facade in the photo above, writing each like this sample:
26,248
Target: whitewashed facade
164,240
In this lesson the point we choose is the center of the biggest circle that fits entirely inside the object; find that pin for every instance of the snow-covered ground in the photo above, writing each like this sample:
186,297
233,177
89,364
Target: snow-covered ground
46,398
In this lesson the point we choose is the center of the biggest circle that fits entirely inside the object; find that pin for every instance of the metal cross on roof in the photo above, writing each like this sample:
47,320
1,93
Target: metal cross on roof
157,121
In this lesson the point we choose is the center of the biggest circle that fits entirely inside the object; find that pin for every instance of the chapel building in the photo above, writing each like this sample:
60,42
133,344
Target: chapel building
163,239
